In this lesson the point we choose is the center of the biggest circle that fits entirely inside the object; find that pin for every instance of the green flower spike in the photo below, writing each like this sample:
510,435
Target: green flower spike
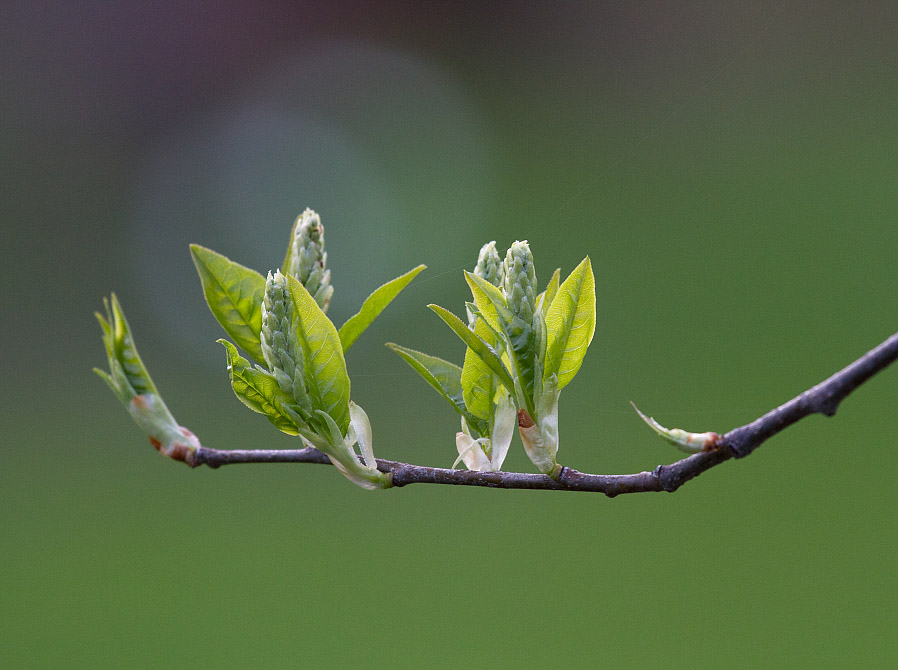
307,260
302,350
281,350
131,383
520,281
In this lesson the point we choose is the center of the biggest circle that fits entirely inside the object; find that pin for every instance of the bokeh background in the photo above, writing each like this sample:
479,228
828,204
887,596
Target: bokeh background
731,170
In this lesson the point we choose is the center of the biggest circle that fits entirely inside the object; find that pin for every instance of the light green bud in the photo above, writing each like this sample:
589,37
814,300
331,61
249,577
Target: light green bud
280,346
520,281
308,259
489,265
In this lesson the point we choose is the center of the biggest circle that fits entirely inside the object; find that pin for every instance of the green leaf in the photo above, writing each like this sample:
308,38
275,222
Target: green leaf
234,294
325,369
544,299
477,380
286,263
489,301
443,376
520,337
474,342
570,324
374,304
259,391
122,354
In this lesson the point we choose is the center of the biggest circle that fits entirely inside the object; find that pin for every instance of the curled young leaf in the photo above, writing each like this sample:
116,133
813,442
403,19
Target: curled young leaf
131,383
519,337
259,390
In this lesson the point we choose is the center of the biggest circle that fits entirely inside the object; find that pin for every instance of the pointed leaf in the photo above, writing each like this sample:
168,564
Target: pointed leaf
121,352
259,391
477,380
544,299
234,294
325,369
570,324
481,348
520,337
489,301
286,263
442,375
374,304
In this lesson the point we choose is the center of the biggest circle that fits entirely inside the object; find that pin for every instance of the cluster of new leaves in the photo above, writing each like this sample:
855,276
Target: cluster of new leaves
299,380
523,347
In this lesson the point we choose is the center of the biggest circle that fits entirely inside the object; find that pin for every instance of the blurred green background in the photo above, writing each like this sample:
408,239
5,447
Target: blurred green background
731,171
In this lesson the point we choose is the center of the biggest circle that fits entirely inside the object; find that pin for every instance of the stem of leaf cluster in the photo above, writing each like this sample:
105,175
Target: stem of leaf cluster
824,398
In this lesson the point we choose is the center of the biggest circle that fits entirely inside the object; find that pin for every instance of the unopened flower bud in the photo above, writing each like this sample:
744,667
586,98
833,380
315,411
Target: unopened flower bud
489,265
280,346
308,259
520,281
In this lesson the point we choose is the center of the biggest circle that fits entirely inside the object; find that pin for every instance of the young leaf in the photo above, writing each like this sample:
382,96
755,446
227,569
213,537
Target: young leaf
442,375
259,391
481,348
544,299
120,350
289,255
520,337
234,295
326,378
489,301
570,324
477,383
374,304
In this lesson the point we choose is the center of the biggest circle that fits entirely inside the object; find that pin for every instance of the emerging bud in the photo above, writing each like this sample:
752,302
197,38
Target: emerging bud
280,346
520,281
131,383
308,259
691,443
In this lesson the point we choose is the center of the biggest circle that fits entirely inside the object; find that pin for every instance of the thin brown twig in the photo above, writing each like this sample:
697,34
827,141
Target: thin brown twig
824,398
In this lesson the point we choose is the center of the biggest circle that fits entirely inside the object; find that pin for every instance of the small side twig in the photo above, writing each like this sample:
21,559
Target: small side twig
824,398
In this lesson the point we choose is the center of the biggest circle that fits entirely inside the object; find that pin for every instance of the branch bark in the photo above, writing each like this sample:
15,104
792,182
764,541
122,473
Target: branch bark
824,398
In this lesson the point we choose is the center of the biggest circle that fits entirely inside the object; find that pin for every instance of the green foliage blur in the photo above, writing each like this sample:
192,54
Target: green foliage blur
731,172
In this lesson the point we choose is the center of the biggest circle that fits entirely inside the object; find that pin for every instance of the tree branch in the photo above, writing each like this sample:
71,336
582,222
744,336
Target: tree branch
824,399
